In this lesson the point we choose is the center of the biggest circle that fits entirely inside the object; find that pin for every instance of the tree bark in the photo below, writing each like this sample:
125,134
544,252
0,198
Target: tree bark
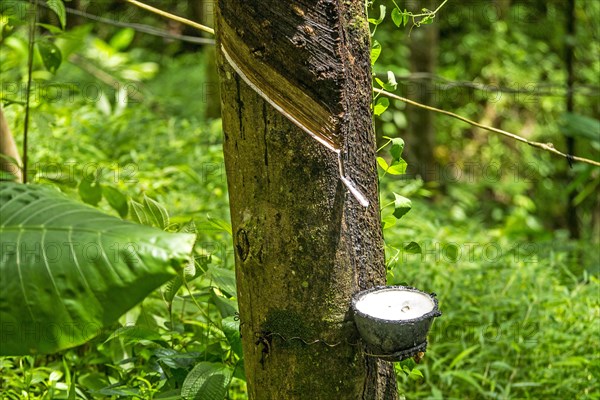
304,245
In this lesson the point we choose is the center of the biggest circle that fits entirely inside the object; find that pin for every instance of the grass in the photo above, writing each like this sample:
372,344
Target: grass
520,302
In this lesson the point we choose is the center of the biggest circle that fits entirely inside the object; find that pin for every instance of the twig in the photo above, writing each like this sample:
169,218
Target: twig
172,16
544,146
150,30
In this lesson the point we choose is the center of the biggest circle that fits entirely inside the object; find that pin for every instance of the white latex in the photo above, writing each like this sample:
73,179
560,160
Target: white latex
395,305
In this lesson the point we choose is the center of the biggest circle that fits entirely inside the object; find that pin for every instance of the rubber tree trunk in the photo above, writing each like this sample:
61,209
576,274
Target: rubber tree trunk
303,243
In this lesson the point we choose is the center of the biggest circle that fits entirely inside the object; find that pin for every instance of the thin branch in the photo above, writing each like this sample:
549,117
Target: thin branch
544,146
172,16
150,30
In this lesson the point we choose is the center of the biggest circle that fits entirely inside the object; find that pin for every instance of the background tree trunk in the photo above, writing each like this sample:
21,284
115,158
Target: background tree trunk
204,12
8,150
420,138
303,244
572,218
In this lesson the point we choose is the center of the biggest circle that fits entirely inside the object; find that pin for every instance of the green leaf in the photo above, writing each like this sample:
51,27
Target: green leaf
188,274
55,30
382,163
463,354
413,248
59,9
580,126
397,17
51,56
226,307
138,213
223,279
375,52
398,168
415,374
122,39
90,190
402,205
397,148
116,199
389,221
73,269
157,214
382,104
133,333
382,10
391,84
405,17
451,252
207,381
220,224
231,328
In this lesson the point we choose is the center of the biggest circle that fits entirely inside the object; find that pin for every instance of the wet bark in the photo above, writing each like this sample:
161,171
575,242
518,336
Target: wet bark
303,244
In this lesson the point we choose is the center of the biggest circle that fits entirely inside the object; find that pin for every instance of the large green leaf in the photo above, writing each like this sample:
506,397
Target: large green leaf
67,270
207,381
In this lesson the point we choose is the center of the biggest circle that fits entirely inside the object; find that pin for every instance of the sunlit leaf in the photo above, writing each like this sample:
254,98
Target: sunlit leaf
382,11
402,205
59,9
68,270
397,17
382,104
156,213
375,52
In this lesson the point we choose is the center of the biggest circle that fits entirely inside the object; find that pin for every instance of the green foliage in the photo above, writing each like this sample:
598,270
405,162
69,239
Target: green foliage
59,8
207,381
520,317
75,270
519,297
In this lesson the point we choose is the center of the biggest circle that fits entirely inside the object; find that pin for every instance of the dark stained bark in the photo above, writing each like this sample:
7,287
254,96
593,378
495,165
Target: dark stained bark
303,244
420,139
